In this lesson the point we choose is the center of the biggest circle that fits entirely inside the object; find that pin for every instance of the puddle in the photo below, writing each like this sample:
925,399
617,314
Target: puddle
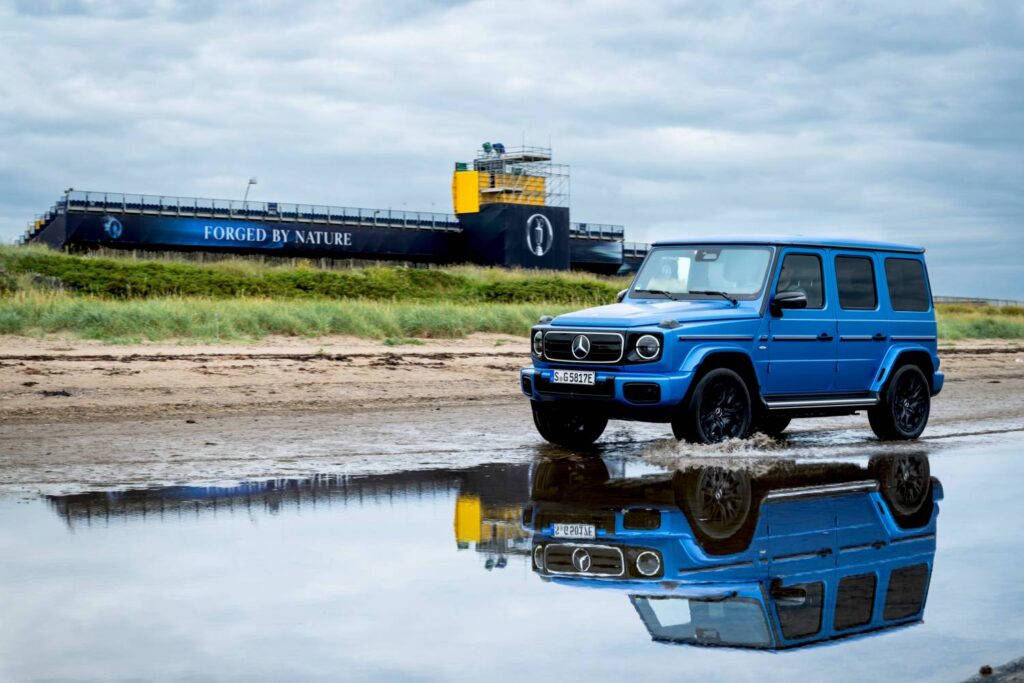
457,574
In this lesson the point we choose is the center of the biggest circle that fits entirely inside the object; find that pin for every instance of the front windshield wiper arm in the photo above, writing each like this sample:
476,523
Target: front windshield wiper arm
728,298
669,295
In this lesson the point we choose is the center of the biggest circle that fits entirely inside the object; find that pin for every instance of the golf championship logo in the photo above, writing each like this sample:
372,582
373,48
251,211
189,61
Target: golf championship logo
539,234
112,227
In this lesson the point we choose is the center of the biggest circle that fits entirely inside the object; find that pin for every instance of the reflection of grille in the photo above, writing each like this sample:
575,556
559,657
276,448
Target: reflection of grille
604,347
603,560
605,389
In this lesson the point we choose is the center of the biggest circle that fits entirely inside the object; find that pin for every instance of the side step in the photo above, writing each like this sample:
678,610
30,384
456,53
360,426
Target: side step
819,403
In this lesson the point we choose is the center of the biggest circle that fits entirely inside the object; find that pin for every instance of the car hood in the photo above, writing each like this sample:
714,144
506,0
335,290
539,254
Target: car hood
652,312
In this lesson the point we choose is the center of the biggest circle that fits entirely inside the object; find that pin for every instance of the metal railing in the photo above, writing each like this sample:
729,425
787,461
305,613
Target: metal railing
597,231
79,201
977,301
635,249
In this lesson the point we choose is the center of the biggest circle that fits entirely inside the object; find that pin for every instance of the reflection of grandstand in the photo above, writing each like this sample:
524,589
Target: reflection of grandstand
277,495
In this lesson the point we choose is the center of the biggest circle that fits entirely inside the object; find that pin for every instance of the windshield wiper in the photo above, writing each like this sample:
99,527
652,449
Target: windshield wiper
725,295
670,295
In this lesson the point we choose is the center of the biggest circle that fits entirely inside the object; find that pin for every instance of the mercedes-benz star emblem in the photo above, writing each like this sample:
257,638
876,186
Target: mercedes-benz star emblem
580,347
539,234
581,560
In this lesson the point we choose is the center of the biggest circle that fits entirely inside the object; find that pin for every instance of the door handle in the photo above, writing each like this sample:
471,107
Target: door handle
825,336
879,337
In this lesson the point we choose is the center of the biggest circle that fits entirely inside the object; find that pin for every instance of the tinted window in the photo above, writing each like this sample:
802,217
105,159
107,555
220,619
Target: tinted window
800,621
907,288
802,273
905,596
856,278
855,601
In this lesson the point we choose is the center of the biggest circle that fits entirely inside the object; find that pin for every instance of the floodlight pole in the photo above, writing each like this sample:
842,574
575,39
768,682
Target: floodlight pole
252,181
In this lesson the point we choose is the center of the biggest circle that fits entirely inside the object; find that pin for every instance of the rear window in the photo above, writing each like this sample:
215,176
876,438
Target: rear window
855,276
905,595
855,601
908,290
802,620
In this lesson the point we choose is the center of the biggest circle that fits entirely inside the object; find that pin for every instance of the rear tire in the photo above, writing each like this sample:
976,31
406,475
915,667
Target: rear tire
903,408
773,426
719,409
568,427
906,485
720,505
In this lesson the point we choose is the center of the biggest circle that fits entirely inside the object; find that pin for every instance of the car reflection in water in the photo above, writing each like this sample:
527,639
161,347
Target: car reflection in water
771,557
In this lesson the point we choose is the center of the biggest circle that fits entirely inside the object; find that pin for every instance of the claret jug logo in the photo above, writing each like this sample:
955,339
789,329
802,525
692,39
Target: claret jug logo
539,234
112,227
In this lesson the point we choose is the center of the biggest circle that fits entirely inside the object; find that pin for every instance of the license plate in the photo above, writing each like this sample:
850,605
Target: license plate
573,377
573,530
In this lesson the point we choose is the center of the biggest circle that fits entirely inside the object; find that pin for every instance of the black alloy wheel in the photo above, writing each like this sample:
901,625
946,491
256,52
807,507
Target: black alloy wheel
902,412
720,501
569,427
719,409
905,483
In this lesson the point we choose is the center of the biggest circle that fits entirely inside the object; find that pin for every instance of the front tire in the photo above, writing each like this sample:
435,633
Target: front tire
719,409
903,409
568,427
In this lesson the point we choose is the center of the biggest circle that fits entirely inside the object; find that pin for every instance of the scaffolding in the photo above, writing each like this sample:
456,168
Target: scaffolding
520,175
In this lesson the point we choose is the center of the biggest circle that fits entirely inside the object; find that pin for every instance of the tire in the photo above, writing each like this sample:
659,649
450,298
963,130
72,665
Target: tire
903,408
718,502
719,409
773,426
556,479
906,485
568,427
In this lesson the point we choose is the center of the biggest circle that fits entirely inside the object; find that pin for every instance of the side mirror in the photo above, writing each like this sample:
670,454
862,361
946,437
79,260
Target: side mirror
621,295
787,597
788,300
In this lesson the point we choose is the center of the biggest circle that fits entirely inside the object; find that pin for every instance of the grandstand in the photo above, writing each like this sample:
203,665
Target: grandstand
511,210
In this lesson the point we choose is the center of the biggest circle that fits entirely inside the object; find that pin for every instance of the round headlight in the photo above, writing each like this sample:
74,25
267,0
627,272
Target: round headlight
538,343
648,563
648,347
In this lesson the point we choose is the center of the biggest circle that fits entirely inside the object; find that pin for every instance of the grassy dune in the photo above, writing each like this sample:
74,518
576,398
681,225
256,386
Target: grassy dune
44,292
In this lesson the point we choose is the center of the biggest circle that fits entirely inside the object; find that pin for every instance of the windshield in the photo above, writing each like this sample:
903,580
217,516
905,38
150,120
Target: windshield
736,622
692,272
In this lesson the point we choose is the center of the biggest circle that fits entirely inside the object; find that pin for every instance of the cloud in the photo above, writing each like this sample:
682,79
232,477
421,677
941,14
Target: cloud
904,122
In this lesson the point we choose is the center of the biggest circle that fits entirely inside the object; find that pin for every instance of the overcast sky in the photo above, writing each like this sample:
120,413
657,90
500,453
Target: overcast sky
677,119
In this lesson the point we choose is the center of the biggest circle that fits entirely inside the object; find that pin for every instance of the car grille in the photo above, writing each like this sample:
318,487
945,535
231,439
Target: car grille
604,560
605,347
605,389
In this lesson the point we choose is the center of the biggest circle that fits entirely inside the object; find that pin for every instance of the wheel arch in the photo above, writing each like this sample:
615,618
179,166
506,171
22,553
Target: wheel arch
900,356
703,360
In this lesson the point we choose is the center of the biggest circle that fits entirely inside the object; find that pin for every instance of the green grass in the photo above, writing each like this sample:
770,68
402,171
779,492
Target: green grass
43,292
86,317
127,278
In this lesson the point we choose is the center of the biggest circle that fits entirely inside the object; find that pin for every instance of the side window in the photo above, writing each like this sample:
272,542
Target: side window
802,618
905,595
802,273
855,601
907,288
855,276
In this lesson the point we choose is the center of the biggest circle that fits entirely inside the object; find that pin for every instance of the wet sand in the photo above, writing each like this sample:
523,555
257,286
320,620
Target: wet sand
144,415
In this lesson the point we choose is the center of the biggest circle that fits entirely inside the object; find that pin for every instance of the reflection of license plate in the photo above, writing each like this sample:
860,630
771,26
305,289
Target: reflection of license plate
573,530
573,377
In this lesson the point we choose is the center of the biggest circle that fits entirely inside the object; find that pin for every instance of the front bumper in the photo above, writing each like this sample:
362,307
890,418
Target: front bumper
633,389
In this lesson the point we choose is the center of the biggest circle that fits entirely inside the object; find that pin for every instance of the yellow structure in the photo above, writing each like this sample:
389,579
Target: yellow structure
467,519
466,191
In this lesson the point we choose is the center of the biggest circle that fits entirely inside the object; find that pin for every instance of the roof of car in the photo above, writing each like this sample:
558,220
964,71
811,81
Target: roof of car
799,241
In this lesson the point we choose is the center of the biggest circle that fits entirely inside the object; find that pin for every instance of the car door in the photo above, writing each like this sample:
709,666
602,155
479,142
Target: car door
864,328
801,342
801,535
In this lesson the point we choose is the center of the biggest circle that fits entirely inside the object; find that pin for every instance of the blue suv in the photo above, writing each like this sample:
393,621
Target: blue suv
728,337
716,556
